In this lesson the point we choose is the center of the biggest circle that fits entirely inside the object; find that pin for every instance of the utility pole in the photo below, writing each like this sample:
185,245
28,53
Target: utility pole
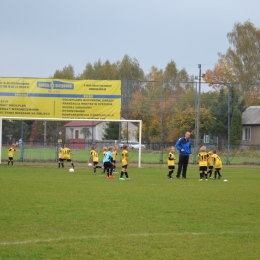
197,112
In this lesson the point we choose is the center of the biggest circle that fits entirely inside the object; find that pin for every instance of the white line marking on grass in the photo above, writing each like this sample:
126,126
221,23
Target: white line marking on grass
8,243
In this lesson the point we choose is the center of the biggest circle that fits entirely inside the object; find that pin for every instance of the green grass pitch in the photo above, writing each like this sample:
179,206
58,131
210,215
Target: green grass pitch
49,213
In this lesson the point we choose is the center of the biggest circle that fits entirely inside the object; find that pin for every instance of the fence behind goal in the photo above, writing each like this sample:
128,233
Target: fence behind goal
154,153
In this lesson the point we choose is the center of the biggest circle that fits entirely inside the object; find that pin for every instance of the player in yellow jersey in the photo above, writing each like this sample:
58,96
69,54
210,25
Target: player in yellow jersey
94,156
125,162
210,163
114,158
66,155
60,155
217,164
171,159
203,158
11,154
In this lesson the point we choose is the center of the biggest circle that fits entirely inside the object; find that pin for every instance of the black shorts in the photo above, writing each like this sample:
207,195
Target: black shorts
61,160
107,164
217,169
203,168
211,167
67,160
10,158
95,163
171,167
124,166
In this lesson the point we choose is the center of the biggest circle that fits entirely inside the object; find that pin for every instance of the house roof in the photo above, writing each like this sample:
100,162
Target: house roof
251,116
82,123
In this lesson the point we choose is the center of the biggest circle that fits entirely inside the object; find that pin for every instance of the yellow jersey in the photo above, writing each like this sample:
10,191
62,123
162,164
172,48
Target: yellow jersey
124,157
61,153
171,159
203,158
104,153
94,156
66,153
210,159
11,152
217,161
114,155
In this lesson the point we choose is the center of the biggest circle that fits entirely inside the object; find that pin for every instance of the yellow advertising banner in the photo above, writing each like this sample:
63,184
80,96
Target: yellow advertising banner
56,98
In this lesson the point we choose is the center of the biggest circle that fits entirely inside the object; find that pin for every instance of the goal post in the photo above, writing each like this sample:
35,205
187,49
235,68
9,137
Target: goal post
91,120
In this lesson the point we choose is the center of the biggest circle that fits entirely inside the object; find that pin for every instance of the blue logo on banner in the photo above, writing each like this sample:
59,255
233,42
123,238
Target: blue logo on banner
55,85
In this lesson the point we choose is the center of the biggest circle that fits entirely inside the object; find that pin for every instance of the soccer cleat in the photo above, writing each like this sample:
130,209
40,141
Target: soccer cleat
206,179
111,177
178,177
200,179
127,179
121,179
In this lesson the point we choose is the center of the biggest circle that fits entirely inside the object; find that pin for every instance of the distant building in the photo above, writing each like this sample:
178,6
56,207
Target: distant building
81,132
251,126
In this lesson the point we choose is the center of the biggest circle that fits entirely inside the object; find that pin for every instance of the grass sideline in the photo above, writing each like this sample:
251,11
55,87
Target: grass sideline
49,213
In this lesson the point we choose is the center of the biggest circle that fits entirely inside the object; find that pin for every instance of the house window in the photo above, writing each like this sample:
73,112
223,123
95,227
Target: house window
71,132
76,134
206,139
247,133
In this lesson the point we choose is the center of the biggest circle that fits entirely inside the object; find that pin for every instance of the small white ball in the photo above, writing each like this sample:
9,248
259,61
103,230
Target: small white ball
71,170
90,164
225,180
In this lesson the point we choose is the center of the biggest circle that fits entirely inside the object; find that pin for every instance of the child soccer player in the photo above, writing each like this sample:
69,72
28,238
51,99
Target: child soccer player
125,162
203,157
60,160
107,161
66,155
217,164
114,158
11,154
94,156
104,154
210,163
171,159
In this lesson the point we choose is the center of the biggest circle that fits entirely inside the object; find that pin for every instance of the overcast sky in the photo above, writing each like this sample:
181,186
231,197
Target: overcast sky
40,36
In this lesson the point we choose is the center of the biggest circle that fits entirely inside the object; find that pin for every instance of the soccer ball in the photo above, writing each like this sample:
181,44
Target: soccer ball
90,164
71,170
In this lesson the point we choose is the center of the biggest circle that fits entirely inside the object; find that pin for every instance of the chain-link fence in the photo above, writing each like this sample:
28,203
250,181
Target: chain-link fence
154,153
167,109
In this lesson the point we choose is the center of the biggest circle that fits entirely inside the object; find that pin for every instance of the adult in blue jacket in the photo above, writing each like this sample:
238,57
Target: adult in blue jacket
184,147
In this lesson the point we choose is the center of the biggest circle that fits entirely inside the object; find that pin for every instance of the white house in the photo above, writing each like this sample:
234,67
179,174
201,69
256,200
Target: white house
94,130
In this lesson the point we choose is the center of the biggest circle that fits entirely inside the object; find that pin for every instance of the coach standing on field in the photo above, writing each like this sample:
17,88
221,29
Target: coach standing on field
184,147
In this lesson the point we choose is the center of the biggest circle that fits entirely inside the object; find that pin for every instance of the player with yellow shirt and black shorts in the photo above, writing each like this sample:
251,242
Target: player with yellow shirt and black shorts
11,154
210,163
125,163
217,164
203,161
66,155
94,156
60,155
171,159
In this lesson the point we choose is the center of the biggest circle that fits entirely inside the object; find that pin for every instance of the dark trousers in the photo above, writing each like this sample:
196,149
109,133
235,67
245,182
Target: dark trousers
183,164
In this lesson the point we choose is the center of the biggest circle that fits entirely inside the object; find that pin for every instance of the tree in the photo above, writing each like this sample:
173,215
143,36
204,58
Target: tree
111,131
12,129
66,73
236,127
